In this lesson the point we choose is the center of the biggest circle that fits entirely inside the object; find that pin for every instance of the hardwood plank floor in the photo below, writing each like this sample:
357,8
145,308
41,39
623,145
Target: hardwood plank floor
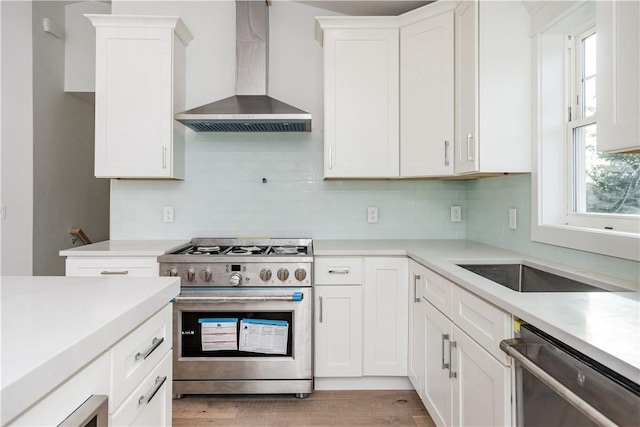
321,408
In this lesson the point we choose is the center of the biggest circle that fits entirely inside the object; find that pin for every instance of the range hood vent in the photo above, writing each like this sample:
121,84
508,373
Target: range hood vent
251,109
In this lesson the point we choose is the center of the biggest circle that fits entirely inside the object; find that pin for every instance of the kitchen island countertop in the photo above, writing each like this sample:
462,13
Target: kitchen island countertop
54,326
603,325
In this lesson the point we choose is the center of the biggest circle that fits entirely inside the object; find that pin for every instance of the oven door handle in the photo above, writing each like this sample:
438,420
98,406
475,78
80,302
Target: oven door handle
513,346
296,296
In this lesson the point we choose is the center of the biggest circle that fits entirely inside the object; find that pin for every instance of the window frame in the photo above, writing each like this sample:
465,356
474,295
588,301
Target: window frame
551,147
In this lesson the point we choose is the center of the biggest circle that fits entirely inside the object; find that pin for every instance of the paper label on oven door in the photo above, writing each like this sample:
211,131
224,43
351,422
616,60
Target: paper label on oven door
219,334
264,336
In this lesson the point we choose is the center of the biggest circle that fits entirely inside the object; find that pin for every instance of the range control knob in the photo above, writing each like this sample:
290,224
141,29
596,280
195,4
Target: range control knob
283,274
300,274
172,272
206,275
235,279
189,275
265,274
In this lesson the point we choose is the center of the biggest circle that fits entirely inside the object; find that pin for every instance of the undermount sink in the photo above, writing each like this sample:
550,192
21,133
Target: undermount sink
523,278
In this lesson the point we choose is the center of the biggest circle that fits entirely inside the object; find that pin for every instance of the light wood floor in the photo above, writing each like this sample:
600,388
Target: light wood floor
321,408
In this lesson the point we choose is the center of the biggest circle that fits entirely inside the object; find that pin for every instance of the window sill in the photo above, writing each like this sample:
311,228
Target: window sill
604,242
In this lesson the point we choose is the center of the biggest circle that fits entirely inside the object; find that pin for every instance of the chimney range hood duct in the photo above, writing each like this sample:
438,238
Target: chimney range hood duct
251,109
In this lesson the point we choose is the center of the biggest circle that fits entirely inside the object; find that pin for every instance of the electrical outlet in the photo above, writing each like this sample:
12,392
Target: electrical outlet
372,215
513,218
167,214
456,213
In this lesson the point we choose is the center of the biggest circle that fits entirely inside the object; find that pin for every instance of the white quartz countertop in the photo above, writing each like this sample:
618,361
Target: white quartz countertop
603,325
119,248
53,326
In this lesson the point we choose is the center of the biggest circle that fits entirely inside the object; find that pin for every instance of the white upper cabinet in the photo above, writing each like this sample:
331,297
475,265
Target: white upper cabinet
361,98
426,88
618,65
492,86
140,85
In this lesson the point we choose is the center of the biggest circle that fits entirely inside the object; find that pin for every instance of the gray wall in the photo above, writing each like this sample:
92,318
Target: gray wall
47,153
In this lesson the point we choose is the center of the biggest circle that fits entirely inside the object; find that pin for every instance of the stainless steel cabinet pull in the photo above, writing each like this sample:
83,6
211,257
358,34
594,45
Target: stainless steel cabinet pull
445,337
320,310
338,271
164,157
452,345
446,153
107,272
416,277
469,154
330,159
158,384
155,343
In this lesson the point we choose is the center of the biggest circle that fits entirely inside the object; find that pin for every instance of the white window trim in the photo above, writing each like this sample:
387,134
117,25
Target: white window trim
549,180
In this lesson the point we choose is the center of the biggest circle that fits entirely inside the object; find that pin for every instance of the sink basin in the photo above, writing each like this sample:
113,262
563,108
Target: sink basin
523,278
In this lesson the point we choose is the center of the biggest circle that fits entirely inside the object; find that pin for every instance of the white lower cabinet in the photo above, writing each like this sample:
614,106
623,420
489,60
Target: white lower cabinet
150,403
386,313
361,326
467,381
464,384
338,331
416,355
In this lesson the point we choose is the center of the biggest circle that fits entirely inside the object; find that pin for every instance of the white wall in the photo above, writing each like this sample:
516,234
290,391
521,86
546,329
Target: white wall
17,138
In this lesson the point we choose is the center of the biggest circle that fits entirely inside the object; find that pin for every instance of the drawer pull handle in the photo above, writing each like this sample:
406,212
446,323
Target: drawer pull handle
154,344
123,272
158,384
452,345
320,320
416,277
338,271
445,337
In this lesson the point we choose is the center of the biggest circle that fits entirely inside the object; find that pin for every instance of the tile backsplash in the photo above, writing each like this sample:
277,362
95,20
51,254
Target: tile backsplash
271,185
223,195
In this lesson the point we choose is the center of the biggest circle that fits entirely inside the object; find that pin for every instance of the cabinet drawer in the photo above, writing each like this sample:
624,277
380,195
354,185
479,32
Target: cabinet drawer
150,403
438,291
482,321
338,271
144,267
135,356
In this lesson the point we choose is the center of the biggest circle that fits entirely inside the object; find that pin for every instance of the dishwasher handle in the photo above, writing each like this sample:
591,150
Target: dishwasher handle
516,349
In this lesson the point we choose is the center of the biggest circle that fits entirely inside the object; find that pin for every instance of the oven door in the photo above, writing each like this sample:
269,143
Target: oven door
243,334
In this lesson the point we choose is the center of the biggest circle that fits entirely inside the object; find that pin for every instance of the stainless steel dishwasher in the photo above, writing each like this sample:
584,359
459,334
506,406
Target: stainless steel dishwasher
559,386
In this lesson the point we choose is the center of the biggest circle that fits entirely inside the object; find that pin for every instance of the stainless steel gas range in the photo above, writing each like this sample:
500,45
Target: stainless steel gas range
243,320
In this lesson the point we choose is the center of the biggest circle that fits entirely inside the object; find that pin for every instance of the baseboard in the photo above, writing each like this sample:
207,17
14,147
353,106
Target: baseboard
363,383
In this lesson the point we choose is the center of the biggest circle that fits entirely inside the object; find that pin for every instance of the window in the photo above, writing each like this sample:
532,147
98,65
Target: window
581,198
604,188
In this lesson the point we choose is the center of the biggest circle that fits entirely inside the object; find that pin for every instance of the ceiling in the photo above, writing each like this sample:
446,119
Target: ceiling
367,7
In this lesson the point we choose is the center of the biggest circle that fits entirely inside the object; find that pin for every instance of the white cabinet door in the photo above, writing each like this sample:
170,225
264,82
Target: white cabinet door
438,385
416,364
493,88
426,119
140,82
361,103
338,331
481,394
466,83
618,65
386,311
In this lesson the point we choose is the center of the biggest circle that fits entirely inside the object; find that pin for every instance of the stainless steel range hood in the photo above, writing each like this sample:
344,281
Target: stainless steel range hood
251,109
